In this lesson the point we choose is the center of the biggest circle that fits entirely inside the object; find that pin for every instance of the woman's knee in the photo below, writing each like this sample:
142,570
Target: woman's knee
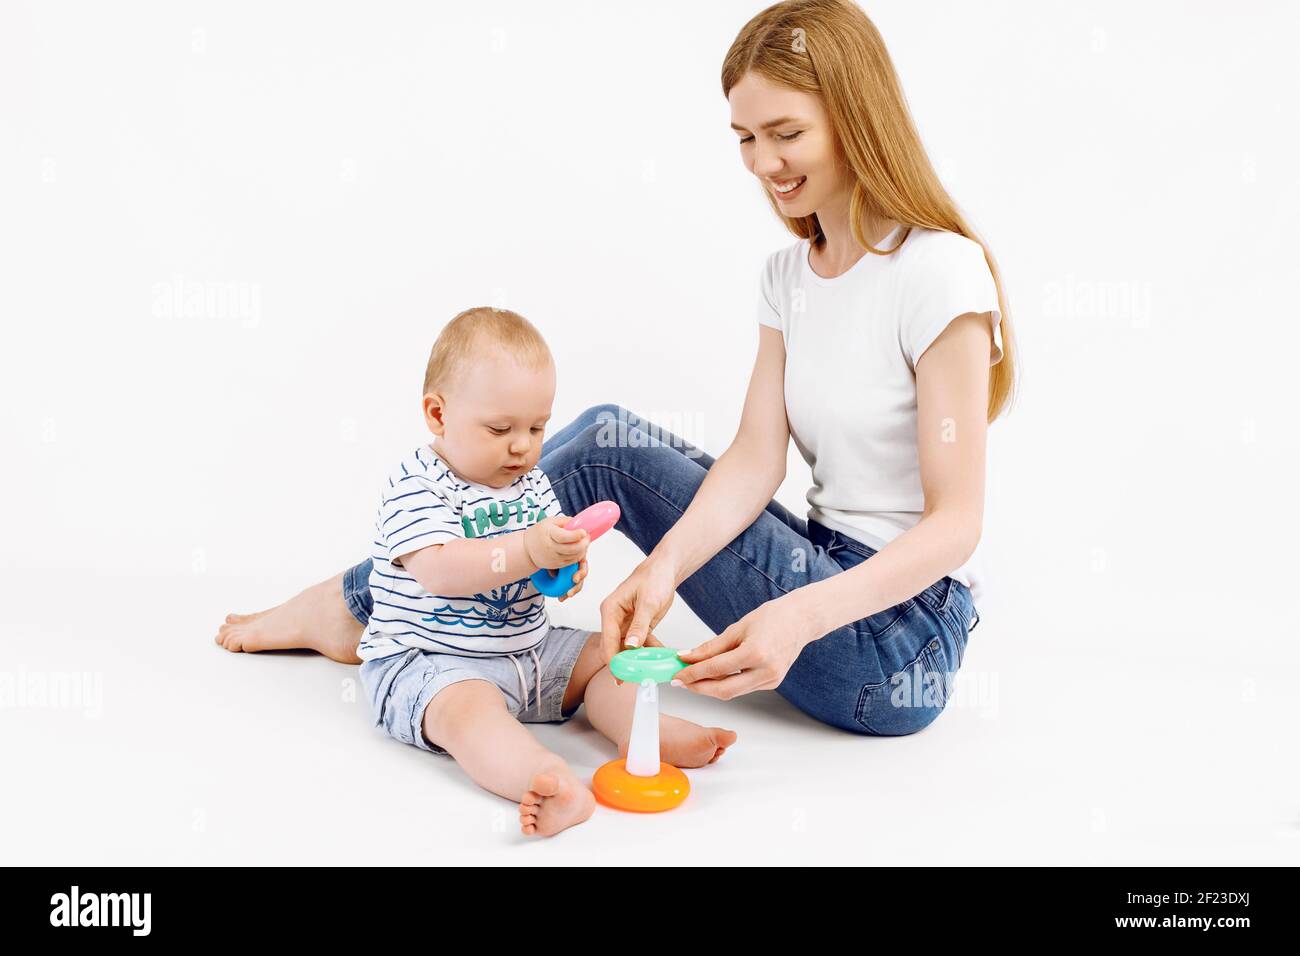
603,435
904,703
603,414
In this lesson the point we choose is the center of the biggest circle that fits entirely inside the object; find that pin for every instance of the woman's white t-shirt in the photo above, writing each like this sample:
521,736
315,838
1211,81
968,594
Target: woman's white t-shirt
851,347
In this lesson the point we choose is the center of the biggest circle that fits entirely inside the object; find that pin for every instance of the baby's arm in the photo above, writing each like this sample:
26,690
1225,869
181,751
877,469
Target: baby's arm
473,566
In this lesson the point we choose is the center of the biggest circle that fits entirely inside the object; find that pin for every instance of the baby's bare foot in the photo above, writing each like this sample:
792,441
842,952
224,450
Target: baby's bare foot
316,619
685,744
554,802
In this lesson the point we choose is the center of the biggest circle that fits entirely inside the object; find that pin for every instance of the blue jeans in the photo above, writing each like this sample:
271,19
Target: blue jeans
885,675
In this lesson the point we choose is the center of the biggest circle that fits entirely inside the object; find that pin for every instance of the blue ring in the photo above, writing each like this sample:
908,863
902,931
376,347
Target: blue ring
554,583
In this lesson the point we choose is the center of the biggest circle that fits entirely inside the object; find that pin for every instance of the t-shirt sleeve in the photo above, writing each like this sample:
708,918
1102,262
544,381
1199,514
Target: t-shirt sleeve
953,280
545,495
769,313
413,514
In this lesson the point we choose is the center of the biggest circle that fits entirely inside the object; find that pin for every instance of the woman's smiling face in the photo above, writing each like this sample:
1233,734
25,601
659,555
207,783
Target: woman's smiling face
786,141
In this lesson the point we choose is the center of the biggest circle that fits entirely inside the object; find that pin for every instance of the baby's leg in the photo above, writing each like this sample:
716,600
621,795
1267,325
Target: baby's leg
470,721
609,708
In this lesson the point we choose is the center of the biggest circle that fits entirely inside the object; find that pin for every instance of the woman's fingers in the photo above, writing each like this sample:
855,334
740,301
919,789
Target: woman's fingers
632,611
727,688
723,665
613,614
723,642
643,621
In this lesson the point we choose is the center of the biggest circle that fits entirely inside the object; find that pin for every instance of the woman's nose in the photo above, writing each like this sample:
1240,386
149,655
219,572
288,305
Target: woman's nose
767,164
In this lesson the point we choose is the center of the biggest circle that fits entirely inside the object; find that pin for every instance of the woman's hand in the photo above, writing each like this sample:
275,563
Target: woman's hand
755,653
633,609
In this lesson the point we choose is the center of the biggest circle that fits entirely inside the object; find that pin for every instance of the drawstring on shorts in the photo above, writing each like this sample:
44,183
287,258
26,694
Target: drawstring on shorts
523,682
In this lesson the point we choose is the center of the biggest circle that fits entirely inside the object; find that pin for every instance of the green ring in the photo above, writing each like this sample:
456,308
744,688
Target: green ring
659,664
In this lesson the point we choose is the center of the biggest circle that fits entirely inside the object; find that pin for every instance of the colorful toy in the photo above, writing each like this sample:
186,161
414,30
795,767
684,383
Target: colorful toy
641,782
595,520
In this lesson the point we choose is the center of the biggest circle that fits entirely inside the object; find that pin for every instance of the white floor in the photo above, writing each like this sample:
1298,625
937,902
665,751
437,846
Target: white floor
178,752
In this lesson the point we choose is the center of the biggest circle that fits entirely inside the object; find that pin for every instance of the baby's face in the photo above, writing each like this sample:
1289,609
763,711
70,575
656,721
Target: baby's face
489,425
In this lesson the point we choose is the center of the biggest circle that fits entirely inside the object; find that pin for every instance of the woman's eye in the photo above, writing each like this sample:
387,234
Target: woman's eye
787,138
746,139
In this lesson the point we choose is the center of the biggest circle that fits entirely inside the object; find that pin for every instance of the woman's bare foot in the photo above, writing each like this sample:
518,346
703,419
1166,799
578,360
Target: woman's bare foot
686,744
554,802
316,619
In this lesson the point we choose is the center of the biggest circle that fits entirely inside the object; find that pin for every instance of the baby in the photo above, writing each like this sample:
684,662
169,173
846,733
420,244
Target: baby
459,654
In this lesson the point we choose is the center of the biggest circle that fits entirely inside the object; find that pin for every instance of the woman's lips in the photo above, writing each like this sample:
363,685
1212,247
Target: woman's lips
793,192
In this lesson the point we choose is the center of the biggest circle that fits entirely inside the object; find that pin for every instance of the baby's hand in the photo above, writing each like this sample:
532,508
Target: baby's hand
577,581
549,545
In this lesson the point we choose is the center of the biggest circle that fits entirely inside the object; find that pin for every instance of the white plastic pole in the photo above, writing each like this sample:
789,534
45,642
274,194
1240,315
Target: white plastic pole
643,746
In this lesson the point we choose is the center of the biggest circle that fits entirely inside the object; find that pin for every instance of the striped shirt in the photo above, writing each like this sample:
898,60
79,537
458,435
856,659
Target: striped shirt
423,503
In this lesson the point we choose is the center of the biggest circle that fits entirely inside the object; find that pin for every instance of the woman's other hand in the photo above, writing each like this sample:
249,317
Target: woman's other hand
630,614
753,654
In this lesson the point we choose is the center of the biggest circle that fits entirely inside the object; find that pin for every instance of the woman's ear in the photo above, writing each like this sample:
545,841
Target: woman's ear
434,408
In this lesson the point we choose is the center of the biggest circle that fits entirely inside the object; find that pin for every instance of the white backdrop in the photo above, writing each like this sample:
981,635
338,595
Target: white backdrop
229,233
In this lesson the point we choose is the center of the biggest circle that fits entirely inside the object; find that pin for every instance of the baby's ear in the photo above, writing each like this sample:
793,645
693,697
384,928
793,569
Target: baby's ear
434,407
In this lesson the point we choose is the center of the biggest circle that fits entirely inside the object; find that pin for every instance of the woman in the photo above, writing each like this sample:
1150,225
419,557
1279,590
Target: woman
883,351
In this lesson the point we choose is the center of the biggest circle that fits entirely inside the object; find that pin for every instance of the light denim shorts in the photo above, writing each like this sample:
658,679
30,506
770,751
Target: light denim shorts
533,682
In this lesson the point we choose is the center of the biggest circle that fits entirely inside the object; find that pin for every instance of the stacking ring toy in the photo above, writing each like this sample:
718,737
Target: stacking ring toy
641,782
659,664
595,520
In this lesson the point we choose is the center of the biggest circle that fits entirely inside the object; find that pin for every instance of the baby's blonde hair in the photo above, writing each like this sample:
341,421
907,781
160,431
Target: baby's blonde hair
482,324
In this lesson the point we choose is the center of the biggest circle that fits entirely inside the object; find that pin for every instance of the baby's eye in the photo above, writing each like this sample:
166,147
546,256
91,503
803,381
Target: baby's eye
497,431
538,429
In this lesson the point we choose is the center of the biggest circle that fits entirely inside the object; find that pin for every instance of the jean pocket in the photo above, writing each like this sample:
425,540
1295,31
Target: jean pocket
937,595
884,623
910,699
959,618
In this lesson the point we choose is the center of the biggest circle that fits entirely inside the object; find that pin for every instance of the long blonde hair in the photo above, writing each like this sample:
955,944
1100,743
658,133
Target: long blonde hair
832,49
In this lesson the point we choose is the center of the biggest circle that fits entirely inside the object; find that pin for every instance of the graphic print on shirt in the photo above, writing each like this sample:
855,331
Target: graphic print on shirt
497,514
498,603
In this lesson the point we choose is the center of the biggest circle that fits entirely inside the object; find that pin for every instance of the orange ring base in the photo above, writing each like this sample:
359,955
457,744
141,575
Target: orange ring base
617,788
